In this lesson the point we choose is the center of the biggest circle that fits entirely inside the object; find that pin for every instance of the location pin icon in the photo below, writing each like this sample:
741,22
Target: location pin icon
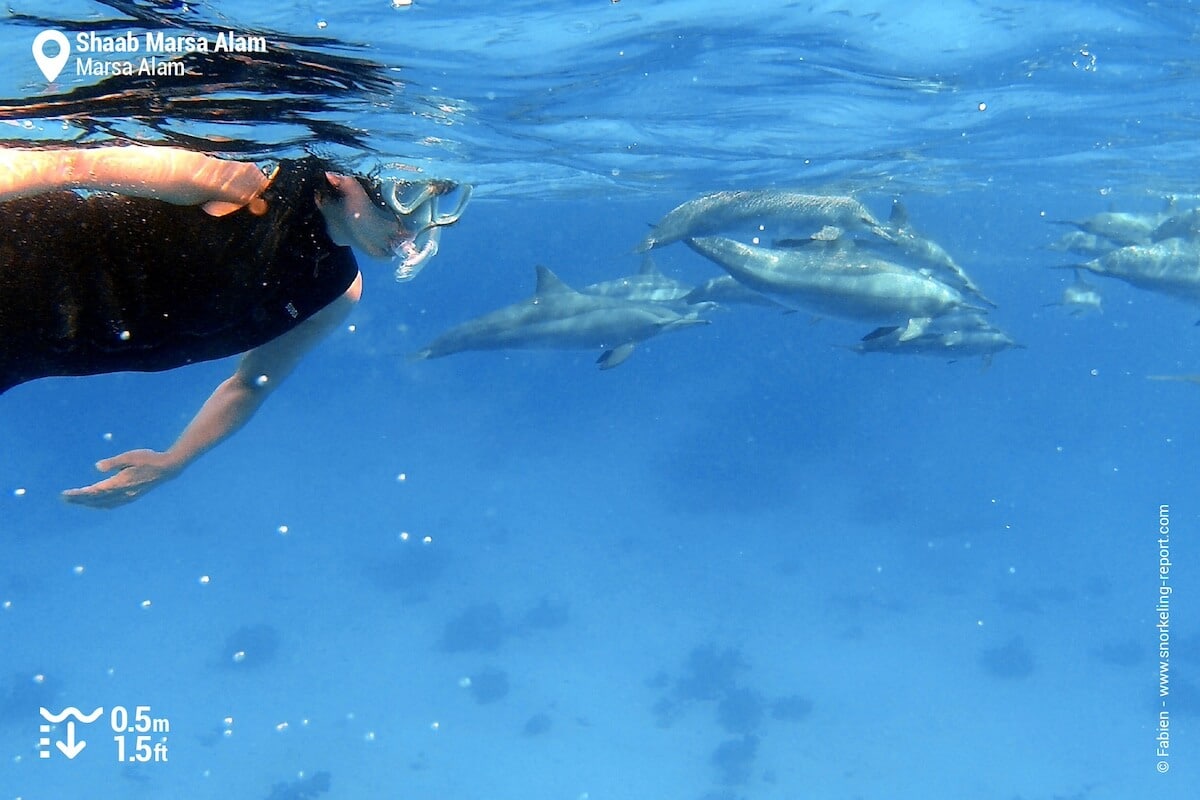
51,65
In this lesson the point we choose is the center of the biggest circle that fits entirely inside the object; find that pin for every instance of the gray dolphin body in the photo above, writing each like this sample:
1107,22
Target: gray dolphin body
834,279
929,253
1081,297
721,211
558,317
1082,243
1122,228
1178,378
965,335
1170,267
726,289
1181,226
649,285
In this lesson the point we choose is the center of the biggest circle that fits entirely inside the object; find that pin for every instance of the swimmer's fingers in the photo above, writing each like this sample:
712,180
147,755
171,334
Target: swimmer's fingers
137,472
236,184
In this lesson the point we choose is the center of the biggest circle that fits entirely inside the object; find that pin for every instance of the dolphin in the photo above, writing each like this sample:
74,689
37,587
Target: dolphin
1083,244
1119,227
821,216
925,253
648,285
726,289
1181,226
1179,378
560,318
1080,297
965,335
1170,267
835,279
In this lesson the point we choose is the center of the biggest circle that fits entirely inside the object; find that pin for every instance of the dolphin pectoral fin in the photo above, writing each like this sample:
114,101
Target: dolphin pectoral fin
615,357
915,327
827,235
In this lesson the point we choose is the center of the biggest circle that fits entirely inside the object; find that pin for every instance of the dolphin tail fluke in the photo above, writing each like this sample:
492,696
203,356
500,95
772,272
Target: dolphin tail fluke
615,357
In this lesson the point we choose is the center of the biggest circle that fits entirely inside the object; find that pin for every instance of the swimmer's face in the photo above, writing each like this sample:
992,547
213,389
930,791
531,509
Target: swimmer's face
352,218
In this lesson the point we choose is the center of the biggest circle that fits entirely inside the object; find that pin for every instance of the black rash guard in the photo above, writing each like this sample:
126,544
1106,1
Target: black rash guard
108,283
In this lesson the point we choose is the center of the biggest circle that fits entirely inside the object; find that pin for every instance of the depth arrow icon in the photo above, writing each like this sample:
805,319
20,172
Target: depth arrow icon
71,748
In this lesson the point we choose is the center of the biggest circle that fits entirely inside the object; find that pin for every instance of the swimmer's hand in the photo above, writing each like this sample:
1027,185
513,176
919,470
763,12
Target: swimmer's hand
138,471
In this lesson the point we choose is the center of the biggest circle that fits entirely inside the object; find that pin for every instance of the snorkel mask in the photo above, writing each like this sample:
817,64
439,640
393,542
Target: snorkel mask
418,205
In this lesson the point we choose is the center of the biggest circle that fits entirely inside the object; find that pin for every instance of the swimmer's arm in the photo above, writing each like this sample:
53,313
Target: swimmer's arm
223,414
163,173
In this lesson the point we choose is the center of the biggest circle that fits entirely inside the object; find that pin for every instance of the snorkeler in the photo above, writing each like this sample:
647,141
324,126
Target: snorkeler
175,257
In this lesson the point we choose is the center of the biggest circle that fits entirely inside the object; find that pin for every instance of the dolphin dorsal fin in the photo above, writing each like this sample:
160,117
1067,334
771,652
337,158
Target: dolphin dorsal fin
881,332
549,283
648,266
899,217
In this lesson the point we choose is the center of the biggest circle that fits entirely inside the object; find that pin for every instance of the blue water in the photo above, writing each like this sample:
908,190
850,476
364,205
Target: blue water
745,564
